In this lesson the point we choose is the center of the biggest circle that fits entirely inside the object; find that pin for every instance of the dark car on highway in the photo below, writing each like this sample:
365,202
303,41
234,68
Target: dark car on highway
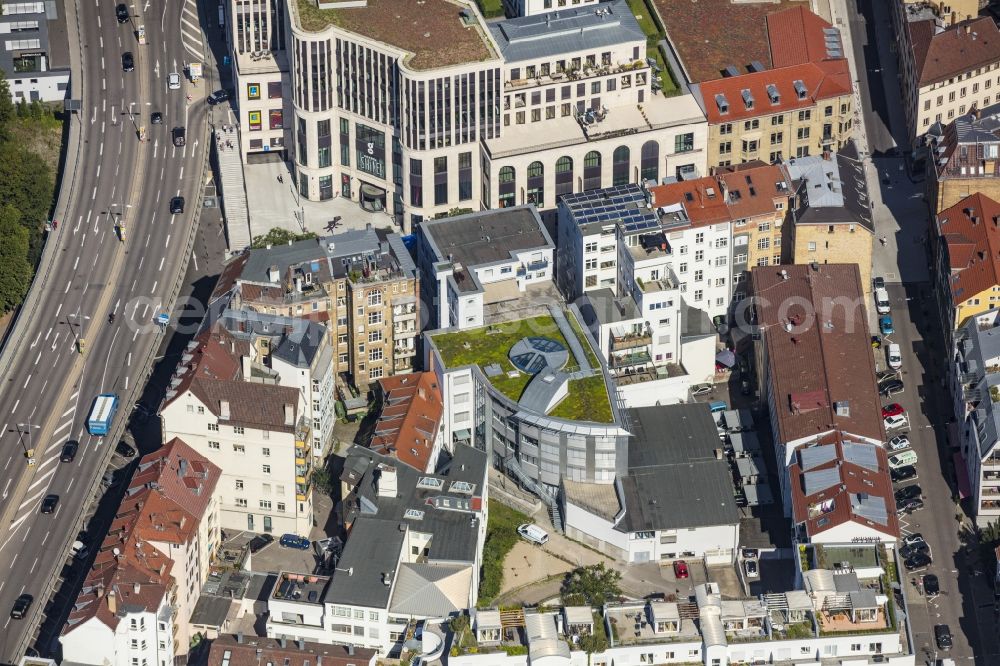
125,450
68,451
901,474
21,606
156,118
177,205
49,503
121,12
128,62
179,136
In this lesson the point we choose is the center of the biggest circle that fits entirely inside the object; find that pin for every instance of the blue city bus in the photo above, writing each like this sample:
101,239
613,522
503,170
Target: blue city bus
102,414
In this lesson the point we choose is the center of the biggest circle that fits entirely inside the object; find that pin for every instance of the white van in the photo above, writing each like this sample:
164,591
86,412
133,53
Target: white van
902,459
533,533
894,357
882,301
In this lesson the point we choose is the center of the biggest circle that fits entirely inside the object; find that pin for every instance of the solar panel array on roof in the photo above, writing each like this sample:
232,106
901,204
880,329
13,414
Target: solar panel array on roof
870,507
862,455
820,480
814,456
624,205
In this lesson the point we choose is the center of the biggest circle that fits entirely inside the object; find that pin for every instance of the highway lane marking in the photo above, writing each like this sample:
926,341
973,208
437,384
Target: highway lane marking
69,411
54,342
5,489
133,285
58,309
162,259
99,167
38,358
64,425
50,329
70,483
12,564
102,42
102,63
128,361
181,177
15,405
135,335
154,286
36,340
104,85
93,118
108,360
46,537
66,290
26,382
94,195
41,479
76,263
194,257
167,244
34,564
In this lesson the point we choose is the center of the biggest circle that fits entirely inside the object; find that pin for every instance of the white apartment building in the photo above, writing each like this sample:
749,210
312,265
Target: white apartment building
444,112
481,262
946,68
975,386
293,352
147,577
616,252
256,432
532,7
582,110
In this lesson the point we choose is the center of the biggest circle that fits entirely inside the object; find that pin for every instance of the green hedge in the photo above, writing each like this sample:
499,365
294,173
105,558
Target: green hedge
490,8
501,535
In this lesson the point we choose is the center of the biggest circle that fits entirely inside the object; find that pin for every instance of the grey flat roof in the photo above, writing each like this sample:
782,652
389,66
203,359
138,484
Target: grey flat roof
675,479
833,190
282,256
566,30
293,339
488,236
602,306
211,611
373,549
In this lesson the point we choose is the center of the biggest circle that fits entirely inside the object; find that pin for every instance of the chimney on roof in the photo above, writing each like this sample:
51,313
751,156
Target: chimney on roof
239,637
136,587
826,155
282,642
350,650
224,409
112,601
968,28
289,414
302,644
421,393
387,481
245,362
272,273
182,466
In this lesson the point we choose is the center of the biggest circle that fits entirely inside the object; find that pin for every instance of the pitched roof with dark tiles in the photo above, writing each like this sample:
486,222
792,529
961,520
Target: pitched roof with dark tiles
827,353
731,194
710,35
848,479
971,231
963,47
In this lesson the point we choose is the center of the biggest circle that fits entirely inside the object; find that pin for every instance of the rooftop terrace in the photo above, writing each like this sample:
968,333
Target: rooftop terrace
304,588
437,33
587,399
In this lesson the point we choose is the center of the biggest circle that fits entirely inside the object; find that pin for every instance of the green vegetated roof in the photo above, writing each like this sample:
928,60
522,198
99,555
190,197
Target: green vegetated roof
587,399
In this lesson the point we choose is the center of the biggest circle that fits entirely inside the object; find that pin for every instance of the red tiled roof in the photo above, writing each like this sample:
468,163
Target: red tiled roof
795,36
733,193
824,80
411,414
971,231
828,350
831,507
960,48
256,651
710,35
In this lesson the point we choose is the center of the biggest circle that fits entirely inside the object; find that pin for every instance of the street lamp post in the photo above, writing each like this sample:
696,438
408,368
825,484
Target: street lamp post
22,430
73,325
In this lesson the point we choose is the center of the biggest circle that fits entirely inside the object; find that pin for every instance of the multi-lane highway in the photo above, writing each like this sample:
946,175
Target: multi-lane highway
47,391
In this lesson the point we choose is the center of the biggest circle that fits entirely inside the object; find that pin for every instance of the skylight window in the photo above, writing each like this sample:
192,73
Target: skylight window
430,482
462,487
414,514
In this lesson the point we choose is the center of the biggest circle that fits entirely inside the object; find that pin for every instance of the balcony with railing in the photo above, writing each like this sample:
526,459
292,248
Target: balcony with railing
532,267
630,359
579,73
630,340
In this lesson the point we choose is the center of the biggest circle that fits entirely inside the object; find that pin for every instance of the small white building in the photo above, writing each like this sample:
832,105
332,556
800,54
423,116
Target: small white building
481,261
677,500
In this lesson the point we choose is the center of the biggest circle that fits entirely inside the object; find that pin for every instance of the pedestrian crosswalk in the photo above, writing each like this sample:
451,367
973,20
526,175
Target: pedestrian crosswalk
191,34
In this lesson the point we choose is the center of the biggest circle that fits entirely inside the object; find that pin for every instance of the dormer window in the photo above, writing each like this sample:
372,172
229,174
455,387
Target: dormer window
800,89
722,103
772,94
747,98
